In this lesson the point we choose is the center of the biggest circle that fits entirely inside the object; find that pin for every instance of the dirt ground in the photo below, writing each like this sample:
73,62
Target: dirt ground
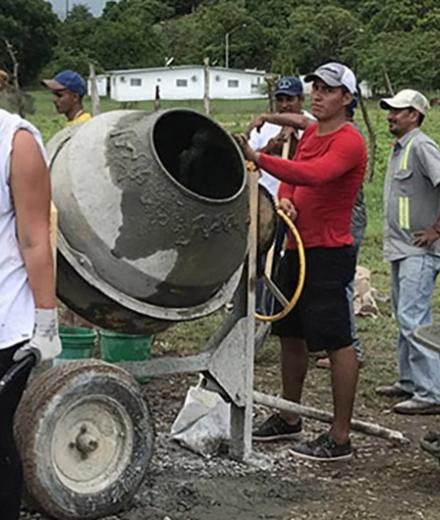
382,481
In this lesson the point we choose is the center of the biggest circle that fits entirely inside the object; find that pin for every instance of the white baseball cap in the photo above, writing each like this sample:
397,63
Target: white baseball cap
406,98
334,75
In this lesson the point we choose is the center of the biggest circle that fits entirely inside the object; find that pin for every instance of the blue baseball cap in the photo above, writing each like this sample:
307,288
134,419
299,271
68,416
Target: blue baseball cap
67,80
289,86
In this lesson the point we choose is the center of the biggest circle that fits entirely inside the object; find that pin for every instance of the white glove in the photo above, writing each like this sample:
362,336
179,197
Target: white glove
45,343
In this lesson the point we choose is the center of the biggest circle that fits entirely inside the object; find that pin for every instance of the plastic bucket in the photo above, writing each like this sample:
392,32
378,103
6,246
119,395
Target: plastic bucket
117,346
77,343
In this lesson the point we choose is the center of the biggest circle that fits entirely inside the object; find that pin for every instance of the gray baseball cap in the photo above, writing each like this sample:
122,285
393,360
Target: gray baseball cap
334,75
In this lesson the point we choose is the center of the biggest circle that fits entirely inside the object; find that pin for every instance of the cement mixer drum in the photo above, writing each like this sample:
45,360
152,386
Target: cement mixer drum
153,218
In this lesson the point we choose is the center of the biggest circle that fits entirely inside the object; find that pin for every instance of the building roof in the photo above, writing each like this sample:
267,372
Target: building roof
183,67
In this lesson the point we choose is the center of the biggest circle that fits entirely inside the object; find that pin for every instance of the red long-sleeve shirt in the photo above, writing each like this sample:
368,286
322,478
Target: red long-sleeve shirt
322,181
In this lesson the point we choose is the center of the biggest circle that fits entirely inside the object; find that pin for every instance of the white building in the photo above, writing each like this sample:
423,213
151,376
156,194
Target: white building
184,82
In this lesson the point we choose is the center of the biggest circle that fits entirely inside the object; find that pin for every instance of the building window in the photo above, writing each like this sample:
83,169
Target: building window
233,83
135,82
181,82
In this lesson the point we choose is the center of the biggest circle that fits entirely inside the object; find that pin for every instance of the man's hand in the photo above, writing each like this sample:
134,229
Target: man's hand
45,343
257,123
425,237
249,154
274,146
289,209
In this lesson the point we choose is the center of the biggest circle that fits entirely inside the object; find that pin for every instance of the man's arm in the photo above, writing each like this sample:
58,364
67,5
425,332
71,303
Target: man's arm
297,121
341,157
30,184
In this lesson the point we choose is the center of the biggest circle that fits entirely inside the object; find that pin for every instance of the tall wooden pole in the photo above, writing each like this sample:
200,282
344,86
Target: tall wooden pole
96,104
206,86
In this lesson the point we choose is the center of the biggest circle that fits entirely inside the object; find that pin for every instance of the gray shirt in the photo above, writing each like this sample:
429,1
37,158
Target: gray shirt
412,195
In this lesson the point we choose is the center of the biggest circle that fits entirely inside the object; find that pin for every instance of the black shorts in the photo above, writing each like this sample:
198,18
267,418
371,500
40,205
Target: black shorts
322,314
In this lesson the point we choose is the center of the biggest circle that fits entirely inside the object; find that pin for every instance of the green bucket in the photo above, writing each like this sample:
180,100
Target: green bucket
77,343
116,347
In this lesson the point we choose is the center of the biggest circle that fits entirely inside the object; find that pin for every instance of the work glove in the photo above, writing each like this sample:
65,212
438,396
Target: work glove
45,343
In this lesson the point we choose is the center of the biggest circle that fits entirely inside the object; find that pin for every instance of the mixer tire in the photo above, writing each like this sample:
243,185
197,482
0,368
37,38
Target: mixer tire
86,439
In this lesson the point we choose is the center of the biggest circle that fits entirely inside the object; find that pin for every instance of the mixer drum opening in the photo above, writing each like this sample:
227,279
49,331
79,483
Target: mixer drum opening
198,154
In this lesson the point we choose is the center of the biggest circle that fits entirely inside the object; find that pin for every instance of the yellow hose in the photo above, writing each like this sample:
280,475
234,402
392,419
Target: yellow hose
301,275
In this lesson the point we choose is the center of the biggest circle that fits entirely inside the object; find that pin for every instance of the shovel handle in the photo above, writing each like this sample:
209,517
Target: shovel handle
25,364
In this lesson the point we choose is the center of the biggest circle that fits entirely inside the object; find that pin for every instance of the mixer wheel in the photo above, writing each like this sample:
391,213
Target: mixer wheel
86,439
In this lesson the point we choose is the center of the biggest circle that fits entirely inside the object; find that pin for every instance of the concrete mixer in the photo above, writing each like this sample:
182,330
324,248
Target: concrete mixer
157,225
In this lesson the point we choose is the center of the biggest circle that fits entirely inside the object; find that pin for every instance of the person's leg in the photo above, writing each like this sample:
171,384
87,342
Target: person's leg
327,326
294,362
11,475
405,381
344,374
417,277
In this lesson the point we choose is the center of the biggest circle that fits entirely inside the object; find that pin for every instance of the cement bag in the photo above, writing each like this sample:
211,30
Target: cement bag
203,423
364,295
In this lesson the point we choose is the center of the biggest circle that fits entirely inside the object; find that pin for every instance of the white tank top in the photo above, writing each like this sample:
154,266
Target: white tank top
17,309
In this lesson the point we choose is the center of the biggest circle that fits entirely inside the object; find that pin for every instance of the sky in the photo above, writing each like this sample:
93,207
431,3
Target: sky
59,6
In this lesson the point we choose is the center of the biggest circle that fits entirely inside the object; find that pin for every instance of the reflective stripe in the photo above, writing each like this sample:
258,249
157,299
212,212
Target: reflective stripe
405,157
404,212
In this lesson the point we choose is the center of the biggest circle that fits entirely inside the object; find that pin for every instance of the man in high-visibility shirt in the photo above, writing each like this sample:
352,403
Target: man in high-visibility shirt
412,246
68,89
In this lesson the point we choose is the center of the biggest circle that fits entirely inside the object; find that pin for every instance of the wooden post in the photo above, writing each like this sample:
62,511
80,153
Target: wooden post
19,98
387,79
96,105
157,98
270,82
371,137
206,86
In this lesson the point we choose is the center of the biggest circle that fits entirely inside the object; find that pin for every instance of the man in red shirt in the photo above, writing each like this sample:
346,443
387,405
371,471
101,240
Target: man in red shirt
319,186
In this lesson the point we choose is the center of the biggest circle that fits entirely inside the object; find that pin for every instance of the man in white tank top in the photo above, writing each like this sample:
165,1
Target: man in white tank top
28,313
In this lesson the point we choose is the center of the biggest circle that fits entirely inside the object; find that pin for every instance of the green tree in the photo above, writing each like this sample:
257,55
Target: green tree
31,27
180,38
183,7
316,37
75,48
394,15
152,11
410,60
77,30
212,23
130,43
